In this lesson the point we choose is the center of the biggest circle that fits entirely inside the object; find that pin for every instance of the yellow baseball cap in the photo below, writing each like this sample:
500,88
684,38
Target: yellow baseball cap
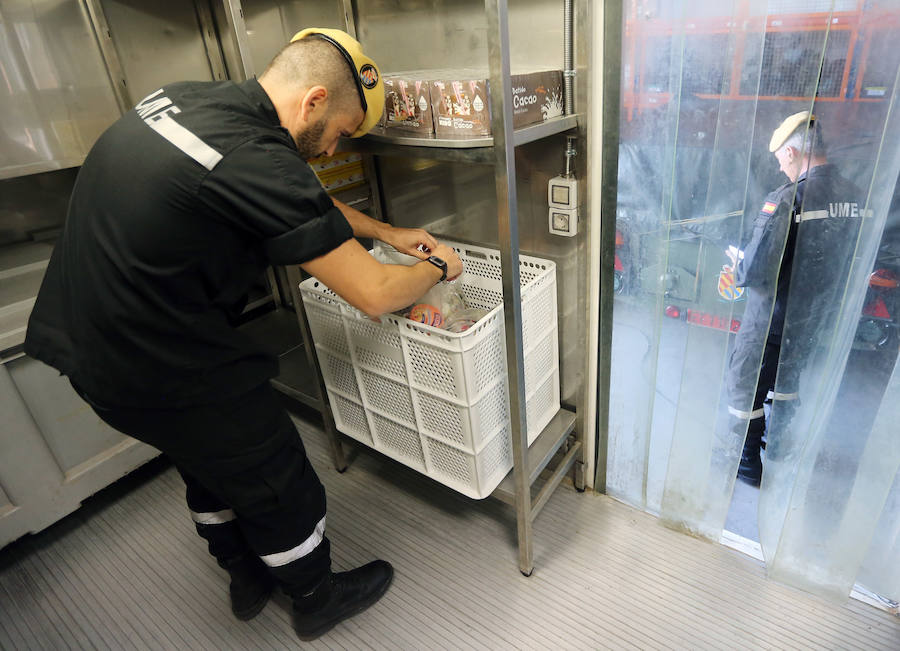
365,73
786,128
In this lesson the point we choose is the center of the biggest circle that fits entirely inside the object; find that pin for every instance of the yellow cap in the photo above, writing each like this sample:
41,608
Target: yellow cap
365,73
787,128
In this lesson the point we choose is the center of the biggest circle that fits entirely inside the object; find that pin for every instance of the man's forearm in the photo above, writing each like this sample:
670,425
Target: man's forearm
362,225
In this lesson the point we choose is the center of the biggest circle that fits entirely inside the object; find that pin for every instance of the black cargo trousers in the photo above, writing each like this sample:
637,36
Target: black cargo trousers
250,486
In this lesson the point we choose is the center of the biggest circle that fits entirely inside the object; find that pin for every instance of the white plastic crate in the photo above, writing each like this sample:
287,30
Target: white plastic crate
434,400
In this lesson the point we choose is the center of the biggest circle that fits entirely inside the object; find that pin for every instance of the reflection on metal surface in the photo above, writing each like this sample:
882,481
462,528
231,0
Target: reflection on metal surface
210,40
441,34
157,43
55,96
271,24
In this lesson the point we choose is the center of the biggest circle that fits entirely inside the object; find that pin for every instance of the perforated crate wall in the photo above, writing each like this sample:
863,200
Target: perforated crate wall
338,373
435,400
327,327
542,405
398,441
463,426
350,418
377,347
475,475
387,396
455,368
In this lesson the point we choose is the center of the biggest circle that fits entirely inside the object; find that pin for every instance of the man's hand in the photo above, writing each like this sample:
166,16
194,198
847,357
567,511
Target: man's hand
734,254
411,241
448,255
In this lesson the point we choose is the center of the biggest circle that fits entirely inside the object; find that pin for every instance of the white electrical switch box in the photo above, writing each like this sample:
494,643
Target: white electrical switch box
563,193
564,222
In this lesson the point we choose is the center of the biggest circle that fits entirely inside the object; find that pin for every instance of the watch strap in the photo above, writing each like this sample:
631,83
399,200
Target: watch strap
440,264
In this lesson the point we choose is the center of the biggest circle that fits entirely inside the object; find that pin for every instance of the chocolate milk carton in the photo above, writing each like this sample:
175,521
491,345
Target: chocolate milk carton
407,103
461,106
461,103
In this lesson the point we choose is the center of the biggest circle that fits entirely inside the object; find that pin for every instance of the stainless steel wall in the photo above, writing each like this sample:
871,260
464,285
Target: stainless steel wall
157,43
431,34
271,24
55,94
33,207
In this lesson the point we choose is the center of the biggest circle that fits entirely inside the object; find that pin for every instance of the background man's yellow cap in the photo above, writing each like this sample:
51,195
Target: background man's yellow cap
365,73
791,124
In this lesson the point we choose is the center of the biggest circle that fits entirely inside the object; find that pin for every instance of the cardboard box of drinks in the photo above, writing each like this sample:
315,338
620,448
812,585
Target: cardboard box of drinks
459,102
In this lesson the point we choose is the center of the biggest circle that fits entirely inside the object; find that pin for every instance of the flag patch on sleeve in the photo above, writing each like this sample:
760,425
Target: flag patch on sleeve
769,207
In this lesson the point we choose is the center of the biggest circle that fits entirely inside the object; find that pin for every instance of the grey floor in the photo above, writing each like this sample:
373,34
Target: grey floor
127,571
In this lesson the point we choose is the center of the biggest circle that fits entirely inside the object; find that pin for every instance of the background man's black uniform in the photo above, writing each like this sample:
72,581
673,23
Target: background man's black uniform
177,210
803,238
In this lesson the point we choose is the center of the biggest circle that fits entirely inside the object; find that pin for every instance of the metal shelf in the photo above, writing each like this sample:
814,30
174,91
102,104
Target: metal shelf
390,142
279,333
539,453
22,268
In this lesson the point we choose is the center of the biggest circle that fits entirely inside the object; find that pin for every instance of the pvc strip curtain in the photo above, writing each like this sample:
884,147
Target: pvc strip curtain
704,86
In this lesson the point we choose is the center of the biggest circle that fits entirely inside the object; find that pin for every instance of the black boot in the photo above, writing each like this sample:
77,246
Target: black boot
251,585
750,468
340,596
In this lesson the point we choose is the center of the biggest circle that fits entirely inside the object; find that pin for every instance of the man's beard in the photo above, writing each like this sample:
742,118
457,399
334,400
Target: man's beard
309,140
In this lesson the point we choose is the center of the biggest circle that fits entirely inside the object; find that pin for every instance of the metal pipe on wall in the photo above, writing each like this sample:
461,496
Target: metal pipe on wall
568,63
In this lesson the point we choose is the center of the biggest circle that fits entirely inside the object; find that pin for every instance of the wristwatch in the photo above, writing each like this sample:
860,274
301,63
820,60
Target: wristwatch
440,264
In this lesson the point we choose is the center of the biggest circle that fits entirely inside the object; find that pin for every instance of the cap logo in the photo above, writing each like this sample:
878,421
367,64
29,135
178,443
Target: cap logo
368,75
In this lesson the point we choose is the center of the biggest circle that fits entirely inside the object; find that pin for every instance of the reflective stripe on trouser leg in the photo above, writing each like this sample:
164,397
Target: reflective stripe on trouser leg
217,517
214,520
296,553
785,396
746,415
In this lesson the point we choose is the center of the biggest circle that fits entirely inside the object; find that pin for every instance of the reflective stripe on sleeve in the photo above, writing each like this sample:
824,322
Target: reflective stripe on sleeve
185,140
218,517
811,214
749,415
301,550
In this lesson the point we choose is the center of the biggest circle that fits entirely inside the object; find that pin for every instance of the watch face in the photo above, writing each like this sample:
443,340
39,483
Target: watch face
440,264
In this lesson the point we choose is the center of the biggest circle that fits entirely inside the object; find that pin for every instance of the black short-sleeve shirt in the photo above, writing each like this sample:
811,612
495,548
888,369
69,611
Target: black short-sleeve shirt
176,211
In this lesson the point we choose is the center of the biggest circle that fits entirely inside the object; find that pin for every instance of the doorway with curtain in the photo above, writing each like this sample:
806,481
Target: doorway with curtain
715,364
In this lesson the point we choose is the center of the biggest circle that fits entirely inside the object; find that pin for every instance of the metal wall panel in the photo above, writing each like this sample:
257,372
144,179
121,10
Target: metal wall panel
54,451
432,34
271,24
157,42
70,428
33,207
56,97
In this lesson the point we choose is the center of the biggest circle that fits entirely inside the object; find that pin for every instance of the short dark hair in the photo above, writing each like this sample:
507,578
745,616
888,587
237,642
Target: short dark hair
314,61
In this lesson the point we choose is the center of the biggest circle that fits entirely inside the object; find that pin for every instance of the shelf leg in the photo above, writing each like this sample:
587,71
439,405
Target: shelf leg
337,450
578,477
508,230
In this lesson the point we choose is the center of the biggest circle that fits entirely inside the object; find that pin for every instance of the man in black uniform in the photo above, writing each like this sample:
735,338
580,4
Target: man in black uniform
177,210
805,231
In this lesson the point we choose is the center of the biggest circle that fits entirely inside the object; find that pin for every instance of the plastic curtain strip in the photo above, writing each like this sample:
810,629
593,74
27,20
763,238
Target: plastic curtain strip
705,449
637,450
694,172
832,459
